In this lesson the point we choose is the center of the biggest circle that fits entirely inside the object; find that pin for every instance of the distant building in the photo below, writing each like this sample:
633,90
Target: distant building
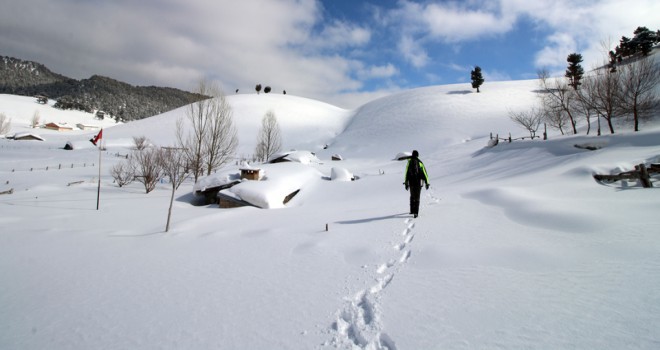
42,99
86,127
58,127
28,136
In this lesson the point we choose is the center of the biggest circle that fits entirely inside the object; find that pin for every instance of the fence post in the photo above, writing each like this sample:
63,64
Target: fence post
644,176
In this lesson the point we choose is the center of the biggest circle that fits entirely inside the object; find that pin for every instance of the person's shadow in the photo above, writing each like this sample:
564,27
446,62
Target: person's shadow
362,221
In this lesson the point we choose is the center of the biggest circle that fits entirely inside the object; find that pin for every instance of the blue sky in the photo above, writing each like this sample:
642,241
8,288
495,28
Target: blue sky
503,56
338,51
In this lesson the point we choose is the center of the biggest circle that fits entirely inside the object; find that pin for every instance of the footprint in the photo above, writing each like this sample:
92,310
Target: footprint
382,283
400,246
408,239
382,268
405,256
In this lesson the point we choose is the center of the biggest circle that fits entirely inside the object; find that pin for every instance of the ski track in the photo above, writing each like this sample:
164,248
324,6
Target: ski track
358,324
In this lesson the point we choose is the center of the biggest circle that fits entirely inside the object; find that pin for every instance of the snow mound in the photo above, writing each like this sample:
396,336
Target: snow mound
340,174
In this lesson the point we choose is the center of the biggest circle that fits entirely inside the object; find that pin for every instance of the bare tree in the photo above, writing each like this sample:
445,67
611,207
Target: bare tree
147,167
555,118
638,93
172,162
209,138
123,173
5,124
269,139
140,142
583,108
600,92
192,141
220,140
36,117
558,99
530,120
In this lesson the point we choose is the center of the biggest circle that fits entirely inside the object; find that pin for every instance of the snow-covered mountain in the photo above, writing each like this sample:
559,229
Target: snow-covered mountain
517,246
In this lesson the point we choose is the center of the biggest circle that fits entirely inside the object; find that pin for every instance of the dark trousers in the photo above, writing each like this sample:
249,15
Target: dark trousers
415,192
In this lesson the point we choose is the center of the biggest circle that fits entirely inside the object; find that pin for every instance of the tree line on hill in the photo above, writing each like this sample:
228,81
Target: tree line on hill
641,44
122,101
626,88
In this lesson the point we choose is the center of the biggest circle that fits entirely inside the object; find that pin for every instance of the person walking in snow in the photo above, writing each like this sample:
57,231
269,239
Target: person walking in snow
415,174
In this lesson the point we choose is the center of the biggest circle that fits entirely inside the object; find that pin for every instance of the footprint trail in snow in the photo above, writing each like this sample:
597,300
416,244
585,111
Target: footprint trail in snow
358,324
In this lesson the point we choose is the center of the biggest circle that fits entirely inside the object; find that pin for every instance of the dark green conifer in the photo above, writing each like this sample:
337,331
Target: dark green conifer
477,78
574,72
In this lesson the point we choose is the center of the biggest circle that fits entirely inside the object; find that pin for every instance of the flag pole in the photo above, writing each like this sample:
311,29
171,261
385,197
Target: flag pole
98,190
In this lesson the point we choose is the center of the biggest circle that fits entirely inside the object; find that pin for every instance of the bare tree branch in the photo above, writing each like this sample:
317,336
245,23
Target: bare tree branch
638,94
530,120
269,139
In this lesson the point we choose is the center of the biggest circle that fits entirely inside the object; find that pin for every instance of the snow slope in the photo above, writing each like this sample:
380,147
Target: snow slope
516,246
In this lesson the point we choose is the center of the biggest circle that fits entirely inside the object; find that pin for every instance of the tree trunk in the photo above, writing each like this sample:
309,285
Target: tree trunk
609,124
169,211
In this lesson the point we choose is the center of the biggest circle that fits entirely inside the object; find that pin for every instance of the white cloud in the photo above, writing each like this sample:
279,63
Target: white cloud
566,25
386,71
241,43
451,23
583,26
559,46
341,34
413,52
288,44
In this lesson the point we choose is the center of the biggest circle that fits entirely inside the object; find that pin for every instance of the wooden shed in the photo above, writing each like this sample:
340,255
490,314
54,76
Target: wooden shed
58,127
251,174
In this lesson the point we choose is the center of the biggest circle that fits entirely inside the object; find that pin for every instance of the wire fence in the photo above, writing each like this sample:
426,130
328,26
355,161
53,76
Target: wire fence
63,166
55,167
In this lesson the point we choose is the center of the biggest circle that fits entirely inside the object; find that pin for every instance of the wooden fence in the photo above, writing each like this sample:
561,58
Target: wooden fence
641,173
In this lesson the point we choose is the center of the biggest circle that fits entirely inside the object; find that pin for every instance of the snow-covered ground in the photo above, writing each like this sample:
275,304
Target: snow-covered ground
516,246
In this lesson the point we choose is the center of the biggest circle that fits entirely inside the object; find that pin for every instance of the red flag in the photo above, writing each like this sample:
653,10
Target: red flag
96,138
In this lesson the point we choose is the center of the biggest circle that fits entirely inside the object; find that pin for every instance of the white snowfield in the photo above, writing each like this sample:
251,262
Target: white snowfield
516,246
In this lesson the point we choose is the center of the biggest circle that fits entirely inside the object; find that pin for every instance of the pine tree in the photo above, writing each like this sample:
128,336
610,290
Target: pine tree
643,41
574,72
477,78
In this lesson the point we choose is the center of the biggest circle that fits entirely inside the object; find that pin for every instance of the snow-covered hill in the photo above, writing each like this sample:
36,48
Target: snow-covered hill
516,246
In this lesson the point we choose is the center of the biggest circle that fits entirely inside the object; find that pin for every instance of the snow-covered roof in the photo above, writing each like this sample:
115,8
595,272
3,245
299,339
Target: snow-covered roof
304,157
282,180
27,135
215,180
